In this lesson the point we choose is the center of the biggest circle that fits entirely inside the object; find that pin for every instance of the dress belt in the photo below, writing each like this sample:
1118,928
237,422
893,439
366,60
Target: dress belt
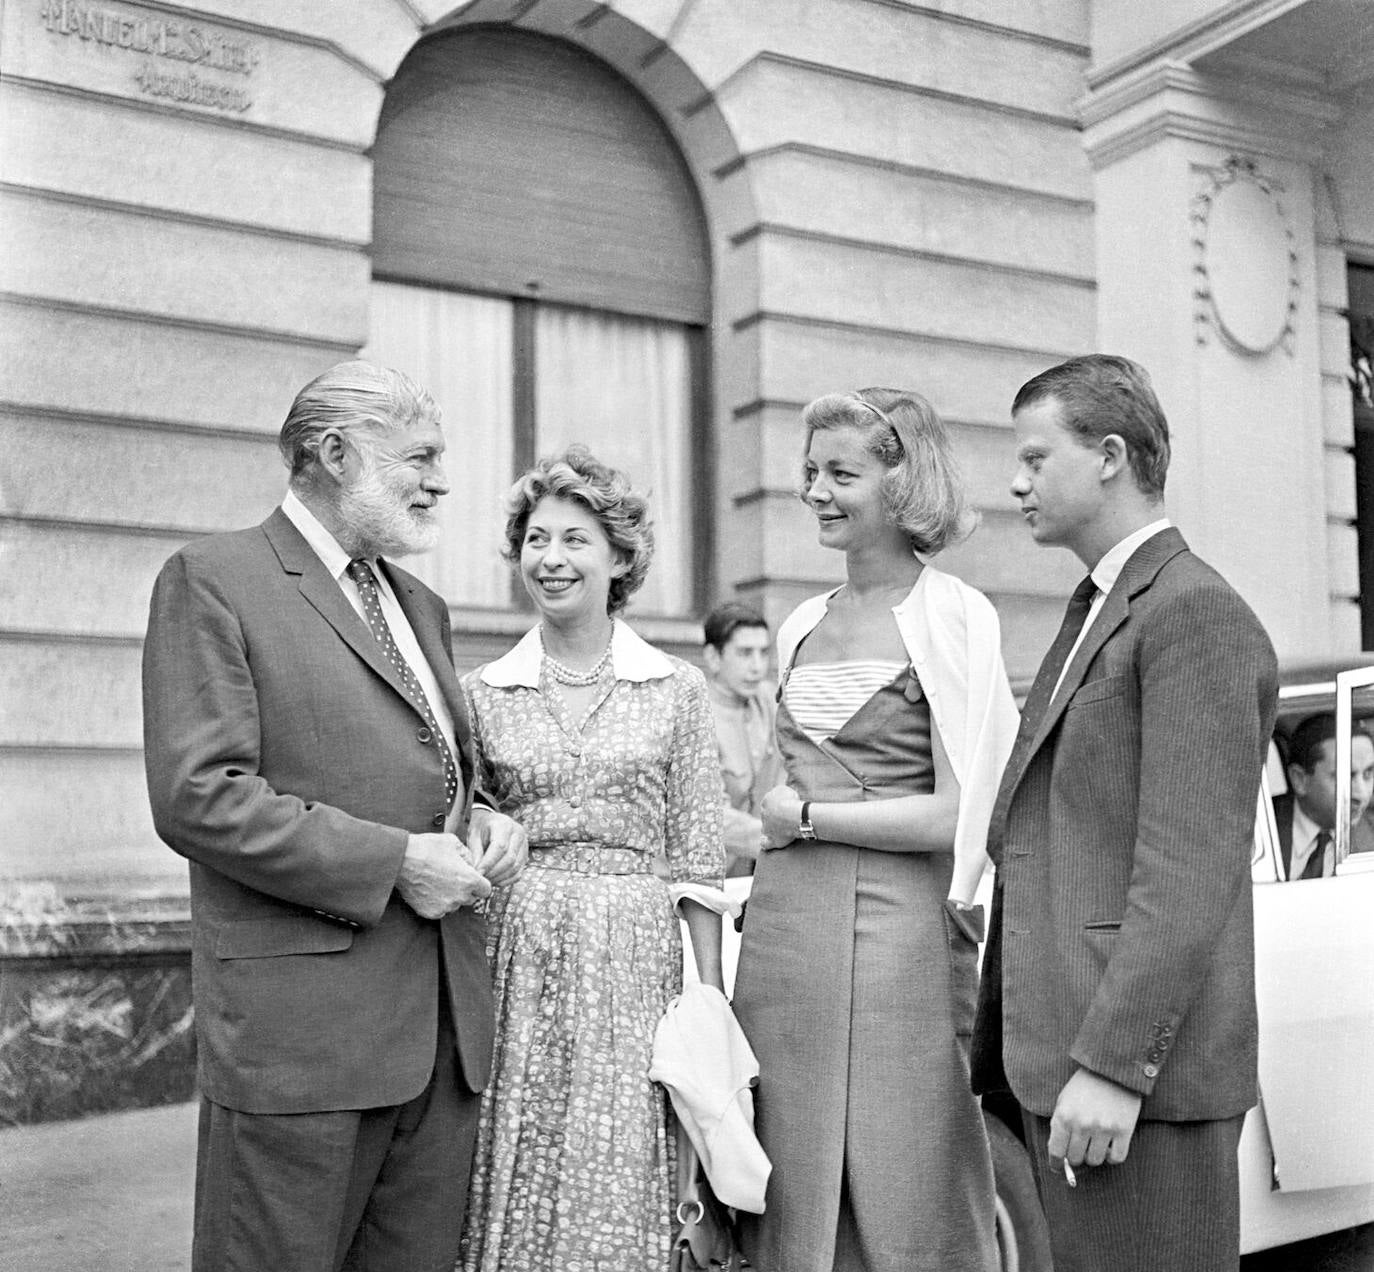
591,859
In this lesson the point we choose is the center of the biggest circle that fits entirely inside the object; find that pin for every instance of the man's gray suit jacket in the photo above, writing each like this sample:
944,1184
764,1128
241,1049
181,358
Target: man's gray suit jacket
1122,931
287,763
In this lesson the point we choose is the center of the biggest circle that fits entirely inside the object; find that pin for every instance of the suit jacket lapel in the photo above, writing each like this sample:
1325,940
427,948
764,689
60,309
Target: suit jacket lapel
323,592
1137,575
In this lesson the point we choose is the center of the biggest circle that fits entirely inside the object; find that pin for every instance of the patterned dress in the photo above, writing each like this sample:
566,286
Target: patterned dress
574,1168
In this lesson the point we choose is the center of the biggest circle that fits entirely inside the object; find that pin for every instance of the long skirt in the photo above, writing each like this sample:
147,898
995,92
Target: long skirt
856,991
574,1169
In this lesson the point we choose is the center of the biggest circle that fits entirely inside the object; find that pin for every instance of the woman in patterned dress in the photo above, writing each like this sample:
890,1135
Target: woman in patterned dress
858,969
604,749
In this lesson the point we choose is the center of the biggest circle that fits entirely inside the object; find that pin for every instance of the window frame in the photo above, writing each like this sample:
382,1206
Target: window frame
700,474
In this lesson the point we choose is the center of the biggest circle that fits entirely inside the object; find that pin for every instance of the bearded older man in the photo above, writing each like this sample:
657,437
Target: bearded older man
308,751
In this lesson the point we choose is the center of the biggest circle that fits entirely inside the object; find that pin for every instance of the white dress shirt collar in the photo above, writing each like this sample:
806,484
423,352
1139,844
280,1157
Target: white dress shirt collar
1106,572
325,545
1305,832
312,530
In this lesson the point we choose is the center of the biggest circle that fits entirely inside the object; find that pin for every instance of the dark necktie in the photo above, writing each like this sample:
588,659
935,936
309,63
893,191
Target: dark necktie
1037,703
1314,867
1047,678
361,574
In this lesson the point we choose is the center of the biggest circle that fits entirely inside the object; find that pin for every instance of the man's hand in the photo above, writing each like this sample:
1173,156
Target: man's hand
781,810
1093,1122
497,843
437,878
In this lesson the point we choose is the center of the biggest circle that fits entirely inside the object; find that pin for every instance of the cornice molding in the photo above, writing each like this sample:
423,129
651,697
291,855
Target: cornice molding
1195,39
1173,100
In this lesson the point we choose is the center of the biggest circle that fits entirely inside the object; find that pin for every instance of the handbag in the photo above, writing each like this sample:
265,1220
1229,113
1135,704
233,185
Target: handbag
708,1239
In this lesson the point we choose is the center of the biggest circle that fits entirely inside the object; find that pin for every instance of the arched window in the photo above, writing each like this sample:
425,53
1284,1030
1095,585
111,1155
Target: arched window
540,263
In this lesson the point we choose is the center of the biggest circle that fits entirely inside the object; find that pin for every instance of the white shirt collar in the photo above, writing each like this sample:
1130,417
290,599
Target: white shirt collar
1305,830
326,546
1106,572
632,658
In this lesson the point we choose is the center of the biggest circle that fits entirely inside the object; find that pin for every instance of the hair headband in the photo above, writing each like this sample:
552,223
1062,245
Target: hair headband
882,415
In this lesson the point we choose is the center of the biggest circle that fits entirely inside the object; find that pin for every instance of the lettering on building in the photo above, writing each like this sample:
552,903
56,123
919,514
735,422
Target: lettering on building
181,62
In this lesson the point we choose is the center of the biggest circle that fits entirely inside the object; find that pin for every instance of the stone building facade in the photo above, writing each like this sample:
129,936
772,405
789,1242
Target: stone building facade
664,225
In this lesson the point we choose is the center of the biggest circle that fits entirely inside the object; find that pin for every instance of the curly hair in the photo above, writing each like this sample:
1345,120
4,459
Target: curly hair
922,490
605,492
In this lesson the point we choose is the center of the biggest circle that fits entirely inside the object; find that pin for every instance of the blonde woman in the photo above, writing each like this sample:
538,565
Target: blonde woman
858,969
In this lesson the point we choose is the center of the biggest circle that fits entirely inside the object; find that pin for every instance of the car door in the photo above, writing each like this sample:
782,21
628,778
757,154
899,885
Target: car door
1314,978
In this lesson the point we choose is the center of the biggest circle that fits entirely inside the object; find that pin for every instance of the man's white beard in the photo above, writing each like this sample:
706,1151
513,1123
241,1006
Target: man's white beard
381,522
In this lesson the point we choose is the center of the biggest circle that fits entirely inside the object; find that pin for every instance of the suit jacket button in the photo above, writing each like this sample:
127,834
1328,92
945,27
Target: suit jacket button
423,734
437,821
1151,1070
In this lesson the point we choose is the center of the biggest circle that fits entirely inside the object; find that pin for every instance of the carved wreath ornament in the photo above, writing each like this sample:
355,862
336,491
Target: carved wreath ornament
1245,282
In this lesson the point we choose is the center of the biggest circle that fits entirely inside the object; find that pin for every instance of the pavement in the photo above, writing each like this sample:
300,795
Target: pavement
112,1193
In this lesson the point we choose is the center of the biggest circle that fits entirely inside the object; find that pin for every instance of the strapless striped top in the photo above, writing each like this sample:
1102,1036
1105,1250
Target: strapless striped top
822,697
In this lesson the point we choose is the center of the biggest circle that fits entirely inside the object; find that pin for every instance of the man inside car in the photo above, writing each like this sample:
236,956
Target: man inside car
1306,815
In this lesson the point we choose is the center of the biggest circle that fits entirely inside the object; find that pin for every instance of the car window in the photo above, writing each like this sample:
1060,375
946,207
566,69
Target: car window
1325,804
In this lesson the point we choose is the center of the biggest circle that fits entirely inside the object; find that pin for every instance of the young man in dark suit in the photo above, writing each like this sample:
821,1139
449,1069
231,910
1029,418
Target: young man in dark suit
308,751
1118,1002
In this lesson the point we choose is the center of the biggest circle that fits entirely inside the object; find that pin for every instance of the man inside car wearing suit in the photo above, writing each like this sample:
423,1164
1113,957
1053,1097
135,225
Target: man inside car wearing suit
308,751
1306,815
1117,1001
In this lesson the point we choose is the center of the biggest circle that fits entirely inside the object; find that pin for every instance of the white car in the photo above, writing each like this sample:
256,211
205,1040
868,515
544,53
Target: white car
1307,1151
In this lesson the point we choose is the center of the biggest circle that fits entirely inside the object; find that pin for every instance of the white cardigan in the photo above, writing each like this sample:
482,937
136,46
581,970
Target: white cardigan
954,641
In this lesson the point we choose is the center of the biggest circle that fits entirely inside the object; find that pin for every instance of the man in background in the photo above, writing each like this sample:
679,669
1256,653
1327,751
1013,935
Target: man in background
1306,815
1117,1000
736,654
308,751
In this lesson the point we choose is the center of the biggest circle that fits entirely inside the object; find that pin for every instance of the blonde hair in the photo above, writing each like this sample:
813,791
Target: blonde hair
922,489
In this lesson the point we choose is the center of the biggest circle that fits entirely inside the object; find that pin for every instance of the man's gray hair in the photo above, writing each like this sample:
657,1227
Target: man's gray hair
352,397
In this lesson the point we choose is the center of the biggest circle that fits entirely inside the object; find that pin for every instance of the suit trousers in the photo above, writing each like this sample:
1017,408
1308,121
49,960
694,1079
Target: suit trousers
362,1190
1173,1203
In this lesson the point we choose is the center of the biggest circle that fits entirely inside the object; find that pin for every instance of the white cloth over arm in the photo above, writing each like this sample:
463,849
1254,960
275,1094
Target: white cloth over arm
708,1067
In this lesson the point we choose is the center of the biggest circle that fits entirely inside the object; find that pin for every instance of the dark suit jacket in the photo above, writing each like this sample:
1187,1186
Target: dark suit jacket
1361,833
1283,819
1122,929
286,762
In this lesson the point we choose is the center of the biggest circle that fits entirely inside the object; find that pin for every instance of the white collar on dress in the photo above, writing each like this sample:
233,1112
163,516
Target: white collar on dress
632,658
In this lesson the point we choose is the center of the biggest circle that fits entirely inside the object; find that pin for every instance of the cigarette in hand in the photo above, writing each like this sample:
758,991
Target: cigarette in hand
1069,1177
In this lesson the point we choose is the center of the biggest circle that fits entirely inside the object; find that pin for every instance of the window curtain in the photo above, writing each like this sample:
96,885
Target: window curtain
622,386
458,347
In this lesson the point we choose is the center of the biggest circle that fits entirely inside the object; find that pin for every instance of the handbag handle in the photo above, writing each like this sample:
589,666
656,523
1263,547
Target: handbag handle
690,1207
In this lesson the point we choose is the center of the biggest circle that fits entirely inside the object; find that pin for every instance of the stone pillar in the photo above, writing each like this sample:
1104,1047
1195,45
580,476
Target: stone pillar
1207,267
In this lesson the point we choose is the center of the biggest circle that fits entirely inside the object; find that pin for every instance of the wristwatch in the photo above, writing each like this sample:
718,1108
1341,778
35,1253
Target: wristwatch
805,830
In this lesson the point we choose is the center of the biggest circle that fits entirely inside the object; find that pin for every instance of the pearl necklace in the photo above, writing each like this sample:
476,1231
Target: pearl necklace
565,675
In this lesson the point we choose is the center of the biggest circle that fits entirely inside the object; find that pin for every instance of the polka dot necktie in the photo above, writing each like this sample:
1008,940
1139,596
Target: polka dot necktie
361,574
